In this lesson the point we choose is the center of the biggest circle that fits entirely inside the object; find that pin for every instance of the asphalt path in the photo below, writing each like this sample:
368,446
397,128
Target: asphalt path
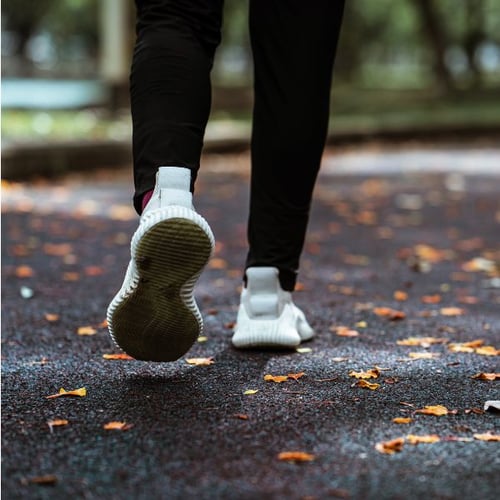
421,247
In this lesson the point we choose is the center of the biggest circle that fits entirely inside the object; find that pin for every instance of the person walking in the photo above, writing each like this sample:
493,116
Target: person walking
154,315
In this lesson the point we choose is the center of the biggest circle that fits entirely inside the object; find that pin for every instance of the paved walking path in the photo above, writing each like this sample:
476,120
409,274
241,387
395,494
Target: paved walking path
420,243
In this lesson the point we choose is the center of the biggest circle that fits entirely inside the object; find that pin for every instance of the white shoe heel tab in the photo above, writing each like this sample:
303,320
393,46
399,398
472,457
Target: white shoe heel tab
174,178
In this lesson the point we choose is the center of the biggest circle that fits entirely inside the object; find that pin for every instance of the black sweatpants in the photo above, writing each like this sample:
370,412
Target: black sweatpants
293,44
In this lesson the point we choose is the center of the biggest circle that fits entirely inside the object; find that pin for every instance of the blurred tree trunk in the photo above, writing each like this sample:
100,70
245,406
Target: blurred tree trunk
434,32
474,37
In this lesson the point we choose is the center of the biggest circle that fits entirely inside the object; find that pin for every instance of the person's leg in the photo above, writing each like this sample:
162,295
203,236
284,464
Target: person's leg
293,45
170,89
154,315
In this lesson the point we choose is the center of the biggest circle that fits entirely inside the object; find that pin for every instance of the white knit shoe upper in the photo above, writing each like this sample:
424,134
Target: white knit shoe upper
267,316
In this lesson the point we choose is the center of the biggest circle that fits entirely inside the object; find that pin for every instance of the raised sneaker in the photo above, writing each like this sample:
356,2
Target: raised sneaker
267,316
154,315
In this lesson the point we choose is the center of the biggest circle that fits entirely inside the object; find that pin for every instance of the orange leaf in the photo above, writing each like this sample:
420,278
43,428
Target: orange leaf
421,341
486,376
296,376
24,272
400,296
296,456
487,350
117,426
241,416
103,324
71,276
390,447
275,378
423,355
429,438
217,263
344,331
402,420
200,361
438,410
51,317
57,422
82,392
431,299
86,330
451,311
47,479
367,385
120,355
373,373
389,313
57,249
487,436
94,271
466,346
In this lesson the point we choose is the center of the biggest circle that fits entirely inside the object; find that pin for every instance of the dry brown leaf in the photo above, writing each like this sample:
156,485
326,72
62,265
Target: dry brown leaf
389,313
48,479
367,385
451,311
486,376
296,376
487,436
344,331
51,317
402,420
437,410
275,378
82,392
424,355
390,447
24,272
86,330
200,361
429,438
421,341
296,456
372,373
400,295
117,426
431,299
120,355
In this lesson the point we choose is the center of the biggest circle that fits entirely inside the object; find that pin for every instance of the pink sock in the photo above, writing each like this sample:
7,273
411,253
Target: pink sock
145,198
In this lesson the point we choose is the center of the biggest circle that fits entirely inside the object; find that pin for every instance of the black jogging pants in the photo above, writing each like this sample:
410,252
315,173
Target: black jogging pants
293,44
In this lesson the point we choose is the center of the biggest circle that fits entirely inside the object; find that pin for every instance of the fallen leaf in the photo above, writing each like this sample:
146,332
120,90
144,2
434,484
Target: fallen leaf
103,324
200,361
51,317
468,299
424,355
487,350
340,359
372,373
466,346
296,376
486,376
400,296
249,392
71,276
217,263
241,416
202,339
120,355
57,249
94,271
479,264
117,426
82,392
451,311
47,480
367,385
390,447
361,324
402,420
57,423
429,438
487,436
24,272
457,439
389,313
296,456
431,299
421,341
344,331
303,350
86,330
275,378
438,410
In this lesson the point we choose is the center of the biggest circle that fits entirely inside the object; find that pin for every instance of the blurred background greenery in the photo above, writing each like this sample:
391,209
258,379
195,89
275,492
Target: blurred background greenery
401,63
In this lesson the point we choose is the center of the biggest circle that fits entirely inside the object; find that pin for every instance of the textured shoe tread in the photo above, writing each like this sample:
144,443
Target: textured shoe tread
159,320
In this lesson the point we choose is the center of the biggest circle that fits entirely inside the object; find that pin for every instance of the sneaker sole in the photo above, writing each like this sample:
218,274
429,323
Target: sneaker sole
158,319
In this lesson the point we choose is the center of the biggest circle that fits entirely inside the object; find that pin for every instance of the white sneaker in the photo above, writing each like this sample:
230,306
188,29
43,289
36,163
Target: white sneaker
267,316
154,315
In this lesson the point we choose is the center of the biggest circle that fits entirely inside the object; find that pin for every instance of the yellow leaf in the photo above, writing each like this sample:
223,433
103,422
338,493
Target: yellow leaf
202,338
249,392
487,436
451,311
390,447
429,438
120,355
200,361
486,376
421,341
367,385
296,456
423,355
361,324
438,410
117,426
303,350
487,350
373,373
402,420
82,392
86,330
275,378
